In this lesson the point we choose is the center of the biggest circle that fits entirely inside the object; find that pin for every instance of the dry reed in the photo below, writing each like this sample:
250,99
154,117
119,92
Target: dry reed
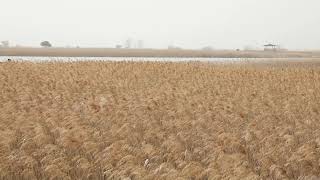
120,120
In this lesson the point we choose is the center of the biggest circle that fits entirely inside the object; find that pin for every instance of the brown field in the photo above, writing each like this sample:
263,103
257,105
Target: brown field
109,52
118,120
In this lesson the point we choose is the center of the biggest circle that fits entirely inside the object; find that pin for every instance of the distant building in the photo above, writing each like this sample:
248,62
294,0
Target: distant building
270,47
174,47
118,46
128,43
249,48
140,44
208,48
5,44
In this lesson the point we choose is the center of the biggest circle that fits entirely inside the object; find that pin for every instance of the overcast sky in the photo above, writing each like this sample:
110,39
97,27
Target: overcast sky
294,24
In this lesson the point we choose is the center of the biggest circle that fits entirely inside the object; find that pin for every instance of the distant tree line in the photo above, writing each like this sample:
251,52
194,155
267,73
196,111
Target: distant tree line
45,44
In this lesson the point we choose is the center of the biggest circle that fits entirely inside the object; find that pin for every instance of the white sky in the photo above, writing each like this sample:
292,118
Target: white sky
294,24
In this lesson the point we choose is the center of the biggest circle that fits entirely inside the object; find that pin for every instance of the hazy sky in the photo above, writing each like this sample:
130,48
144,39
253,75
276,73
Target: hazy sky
294,24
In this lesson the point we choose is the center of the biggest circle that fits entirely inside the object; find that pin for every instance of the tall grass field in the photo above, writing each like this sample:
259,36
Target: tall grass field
159,120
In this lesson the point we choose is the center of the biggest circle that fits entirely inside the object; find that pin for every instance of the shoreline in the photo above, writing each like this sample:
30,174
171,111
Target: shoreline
157,53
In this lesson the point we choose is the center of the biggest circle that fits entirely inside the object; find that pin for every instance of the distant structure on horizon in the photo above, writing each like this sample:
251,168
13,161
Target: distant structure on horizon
132,44
174,47
250,48
271,47
128,43
208,48
140,44
5,44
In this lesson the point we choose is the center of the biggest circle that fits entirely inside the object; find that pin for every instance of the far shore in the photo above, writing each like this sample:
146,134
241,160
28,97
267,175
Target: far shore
112,52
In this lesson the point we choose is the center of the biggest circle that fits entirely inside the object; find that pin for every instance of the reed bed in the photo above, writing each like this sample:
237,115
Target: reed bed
153,120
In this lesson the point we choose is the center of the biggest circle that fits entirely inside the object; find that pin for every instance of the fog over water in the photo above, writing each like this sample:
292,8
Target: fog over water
222,24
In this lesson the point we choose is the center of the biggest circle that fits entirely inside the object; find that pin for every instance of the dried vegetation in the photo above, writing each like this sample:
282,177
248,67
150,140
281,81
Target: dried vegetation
120,120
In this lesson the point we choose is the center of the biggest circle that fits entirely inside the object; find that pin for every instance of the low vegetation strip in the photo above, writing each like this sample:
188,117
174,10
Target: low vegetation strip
152,120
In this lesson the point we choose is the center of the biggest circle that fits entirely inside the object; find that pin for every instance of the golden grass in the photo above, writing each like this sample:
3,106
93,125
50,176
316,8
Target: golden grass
104,120
105,52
